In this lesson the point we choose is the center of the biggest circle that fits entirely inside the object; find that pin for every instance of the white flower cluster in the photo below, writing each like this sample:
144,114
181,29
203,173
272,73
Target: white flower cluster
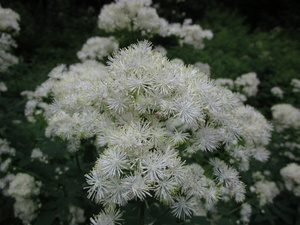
277,92
5,153
142,108
296,85
96,48
256,133
245,213
37,154
291,177
203,67
24,189
266,191
248,84
225,82
138,15
8,23
189,33
285,116
76,215
9,20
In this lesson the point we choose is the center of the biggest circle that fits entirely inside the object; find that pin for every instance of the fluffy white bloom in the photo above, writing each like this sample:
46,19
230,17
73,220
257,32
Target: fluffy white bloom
3,87
277,92
160,49
23,185
253,125
143,109
8,24
189,33
107,218
130,15
76,215
226,82
247,84
245,213
6,151
23,188
96,48
203,67
138,15
291,177
296,85
5,148
285,116
25,209
4,183
9,20
266,191
38,154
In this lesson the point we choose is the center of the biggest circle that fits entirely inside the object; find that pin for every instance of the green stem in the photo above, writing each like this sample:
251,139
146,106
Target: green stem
77,162
142,213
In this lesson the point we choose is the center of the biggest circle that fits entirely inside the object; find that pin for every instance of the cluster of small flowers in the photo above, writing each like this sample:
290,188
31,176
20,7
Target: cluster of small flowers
142,108
138,15
291,177
5,151
96,48
37,154
76,215
246,211
266,190
277,92
296,85
203,67
285,116
24,189
246,85
8,23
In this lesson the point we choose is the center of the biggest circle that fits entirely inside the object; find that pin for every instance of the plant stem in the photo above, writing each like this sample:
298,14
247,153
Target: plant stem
142,213
77,161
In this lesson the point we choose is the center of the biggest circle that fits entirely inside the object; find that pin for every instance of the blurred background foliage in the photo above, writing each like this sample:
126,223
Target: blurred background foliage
261,36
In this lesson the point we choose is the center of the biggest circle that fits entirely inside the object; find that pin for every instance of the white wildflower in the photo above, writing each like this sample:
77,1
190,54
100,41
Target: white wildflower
291,177
277,92
248,84
96,48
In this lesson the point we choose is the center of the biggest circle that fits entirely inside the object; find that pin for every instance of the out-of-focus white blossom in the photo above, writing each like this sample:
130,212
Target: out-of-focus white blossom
9,20
39,155
291,177
26,209
96,48
225,82
3,87
296,85
203,67
138,15
266,191
245,213
160,49
189,33
143,109
8,24
76,215
5,153
24,189
277,92
247,84
285,116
